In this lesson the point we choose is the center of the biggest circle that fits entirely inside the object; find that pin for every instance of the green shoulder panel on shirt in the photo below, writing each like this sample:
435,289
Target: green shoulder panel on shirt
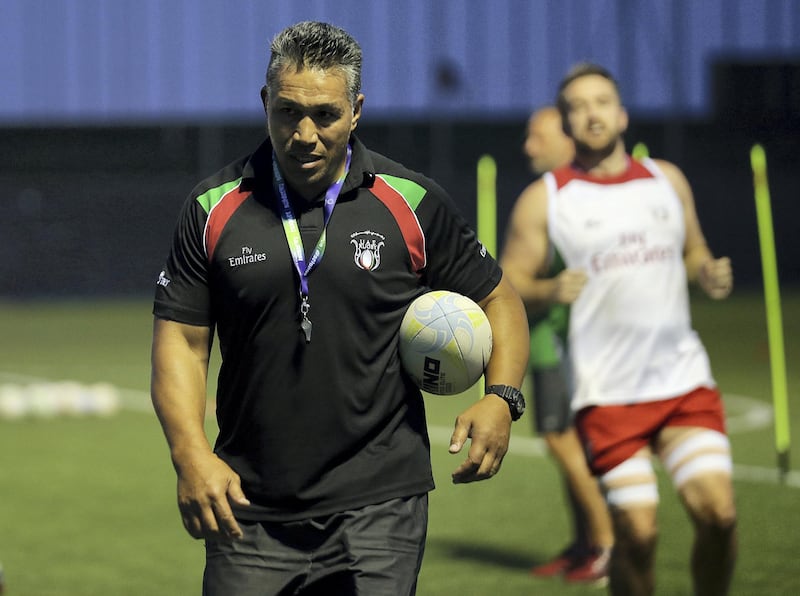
411,191
212,196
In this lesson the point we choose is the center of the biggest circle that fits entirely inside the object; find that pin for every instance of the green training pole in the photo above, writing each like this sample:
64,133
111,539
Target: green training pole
772,299
639,151
487,217
487,203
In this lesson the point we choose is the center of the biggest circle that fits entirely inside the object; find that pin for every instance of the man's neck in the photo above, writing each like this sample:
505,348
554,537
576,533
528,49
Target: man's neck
316,193
605,165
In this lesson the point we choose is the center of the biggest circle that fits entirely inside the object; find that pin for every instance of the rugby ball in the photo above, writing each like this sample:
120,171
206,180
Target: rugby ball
445,342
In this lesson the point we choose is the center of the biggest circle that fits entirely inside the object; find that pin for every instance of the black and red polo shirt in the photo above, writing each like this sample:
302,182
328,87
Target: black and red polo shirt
335,424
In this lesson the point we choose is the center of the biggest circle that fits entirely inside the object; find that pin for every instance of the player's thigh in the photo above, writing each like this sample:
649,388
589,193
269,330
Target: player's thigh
385,544
699,462
709,499
371,551
257,564
631,491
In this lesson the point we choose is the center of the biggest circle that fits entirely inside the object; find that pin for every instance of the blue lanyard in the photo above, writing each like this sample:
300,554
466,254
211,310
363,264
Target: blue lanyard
295,241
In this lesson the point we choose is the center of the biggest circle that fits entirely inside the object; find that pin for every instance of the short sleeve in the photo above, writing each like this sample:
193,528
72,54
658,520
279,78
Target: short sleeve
182,289
456,260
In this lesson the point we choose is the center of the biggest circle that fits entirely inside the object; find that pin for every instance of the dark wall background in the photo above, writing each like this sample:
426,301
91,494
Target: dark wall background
90,211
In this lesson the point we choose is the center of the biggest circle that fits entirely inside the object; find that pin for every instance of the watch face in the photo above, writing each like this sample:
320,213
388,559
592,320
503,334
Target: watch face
519,404
513,396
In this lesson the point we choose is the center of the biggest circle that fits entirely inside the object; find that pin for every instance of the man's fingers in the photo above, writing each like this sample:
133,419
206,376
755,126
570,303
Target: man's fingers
458,438
717,277
570,285
235,493
224,519
200,522
482,463
465,472
470,471
213,520
192,524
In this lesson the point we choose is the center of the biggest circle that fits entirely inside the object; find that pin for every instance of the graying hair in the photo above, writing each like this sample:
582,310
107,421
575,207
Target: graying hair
316,45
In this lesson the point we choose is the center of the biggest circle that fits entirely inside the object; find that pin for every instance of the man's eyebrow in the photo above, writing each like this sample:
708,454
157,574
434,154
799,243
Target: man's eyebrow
326,106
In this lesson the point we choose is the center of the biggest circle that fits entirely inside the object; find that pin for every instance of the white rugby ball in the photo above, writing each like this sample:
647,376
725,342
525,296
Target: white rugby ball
445,342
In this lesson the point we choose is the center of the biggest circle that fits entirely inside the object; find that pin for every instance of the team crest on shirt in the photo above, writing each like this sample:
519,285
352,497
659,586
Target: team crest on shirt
368,245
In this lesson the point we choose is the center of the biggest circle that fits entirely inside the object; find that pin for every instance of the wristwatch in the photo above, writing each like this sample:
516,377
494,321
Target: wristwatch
512,395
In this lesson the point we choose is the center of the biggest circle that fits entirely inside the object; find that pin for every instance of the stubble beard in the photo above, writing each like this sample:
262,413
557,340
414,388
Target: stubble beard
593,153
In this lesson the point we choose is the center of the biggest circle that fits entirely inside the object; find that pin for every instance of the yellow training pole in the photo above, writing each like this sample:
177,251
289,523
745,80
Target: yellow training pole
487,203
639,151
487,215
772,300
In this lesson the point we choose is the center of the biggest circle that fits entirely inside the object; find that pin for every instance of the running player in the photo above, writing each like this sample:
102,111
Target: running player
585,559
643,383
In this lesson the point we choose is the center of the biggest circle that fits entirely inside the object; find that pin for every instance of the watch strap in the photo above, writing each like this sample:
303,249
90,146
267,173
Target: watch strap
512,396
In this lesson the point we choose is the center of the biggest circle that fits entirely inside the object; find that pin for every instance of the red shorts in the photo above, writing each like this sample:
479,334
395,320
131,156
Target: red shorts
612,434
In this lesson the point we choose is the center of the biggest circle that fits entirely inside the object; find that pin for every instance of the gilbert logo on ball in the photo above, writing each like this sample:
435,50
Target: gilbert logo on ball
445,342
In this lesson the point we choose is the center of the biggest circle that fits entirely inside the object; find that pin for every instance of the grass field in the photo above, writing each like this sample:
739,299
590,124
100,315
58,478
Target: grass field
87,505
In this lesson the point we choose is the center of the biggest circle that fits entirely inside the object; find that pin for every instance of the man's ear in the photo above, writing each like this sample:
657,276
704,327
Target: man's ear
357,111
623,120
264,97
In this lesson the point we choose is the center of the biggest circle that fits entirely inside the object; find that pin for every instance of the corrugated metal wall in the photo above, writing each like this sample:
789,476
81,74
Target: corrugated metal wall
132,60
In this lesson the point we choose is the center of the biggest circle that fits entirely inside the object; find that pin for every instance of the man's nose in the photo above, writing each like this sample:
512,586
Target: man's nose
306,131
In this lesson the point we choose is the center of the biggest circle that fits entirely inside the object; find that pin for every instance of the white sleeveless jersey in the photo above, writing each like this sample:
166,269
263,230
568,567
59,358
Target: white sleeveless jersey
630,334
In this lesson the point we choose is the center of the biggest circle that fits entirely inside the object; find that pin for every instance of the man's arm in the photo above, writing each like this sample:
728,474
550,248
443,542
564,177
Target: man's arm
526,254
488,422
180,355
714,276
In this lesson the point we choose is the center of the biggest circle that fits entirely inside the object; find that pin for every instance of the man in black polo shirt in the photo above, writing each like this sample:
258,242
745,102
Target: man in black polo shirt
304,257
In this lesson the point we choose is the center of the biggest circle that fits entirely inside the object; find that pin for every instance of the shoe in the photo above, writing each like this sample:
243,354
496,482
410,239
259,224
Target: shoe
569,557
592,569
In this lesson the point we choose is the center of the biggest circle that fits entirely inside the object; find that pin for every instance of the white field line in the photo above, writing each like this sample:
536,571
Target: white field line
744,414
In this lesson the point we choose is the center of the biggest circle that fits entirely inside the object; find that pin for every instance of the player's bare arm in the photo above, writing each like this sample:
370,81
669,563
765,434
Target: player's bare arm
714,276
526,255
178,387
488,422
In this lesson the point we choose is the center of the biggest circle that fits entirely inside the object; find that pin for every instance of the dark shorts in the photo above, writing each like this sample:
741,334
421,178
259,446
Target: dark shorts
551,399
372,551
550,373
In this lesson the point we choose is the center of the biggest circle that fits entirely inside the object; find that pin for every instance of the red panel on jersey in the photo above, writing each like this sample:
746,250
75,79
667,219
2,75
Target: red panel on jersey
406,219
219,216
634,171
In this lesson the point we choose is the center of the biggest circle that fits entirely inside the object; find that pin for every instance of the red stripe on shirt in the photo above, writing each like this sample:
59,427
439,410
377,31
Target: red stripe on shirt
635,171
219,216
405,218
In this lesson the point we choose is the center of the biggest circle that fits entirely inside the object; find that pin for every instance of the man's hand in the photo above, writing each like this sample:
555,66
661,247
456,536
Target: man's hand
568,286
488,424
716,278
206,488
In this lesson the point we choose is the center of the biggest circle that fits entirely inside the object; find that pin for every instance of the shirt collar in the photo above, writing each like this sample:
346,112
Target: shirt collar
257,171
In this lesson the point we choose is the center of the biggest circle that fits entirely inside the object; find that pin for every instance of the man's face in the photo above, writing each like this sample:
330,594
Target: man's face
595,116
546,145
309,119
